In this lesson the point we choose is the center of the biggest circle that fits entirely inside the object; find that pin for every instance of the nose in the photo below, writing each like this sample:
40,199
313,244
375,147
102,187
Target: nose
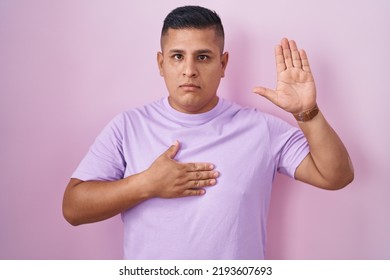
190,70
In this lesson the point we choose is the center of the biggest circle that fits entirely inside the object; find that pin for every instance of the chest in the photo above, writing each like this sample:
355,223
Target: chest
240,152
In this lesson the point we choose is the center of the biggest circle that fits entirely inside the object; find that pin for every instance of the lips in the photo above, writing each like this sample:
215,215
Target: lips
189,86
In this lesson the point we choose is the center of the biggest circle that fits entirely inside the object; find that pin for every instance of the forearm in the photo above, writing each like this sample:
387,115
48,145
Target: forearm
93,201
328,153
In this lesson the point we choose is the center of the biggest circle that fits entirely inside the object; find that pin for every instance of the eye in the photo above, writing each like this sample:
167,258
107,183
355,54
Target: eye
203,57
177,56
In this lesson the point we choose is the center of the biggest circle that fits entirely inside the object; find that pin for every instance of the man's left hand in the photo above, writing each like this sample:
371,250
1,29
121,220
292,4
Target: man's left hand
295,91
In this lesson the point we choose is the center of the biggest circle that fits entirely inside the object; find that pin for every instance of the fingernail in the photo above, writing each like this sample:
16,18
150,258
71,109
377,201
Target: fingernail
211,166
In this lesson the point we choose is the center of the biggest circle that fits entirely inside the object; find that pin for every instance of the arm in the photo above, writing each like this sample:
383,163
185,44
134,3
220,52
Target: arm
328,164
92,201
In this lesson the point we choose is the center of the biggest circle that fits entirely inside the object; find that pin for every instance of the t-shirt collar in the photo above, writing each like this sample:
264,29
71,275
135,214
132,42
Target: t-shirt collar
193,119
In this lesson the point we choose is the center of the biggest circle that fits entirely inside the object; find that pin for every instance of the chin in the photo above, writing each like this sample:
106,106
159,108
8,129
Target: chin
191,103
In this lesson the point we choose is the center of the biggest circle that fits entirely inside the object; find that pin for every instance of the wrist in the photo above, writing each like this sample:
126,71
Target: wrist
140,185
307,115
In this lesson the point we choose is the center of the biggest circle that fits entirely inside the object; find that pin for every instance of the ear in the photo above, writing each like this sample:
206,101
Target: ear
224,62
160,61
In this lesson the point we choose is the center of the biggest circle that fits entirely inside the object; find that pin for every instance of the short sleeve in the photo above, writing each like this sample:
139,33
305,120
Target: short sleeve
289,145
104,160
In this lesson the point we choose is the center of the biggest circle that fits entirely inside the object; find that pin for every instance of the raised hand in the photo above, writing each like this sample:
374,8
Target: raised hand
168,178
295,91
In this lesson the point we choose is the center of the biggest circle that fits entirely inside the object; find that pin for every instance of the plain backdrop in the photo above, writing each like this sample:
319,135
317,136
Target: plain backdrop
68,67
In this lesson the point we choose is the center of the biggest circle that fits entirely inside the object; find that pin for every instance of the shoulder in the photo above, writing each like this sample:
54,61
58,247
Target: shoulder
256,117
240,112
133,115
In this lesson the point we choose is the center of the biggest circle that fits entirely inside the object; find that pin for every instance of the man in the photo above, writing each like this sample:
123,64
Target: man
207,195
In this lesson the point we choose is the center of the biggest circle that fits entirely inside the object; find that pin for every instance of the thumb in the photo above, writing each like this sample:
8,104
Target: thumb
172,151
265,92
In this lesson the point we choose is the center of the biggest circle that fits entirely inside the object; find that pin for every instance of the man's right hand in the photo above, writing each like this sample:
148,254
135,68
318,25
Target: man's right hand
92,201
168,178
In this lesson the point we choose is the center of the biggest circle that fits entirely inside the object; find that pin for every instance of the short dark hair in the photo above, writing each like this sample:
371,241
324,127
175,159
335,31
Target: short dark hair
193,17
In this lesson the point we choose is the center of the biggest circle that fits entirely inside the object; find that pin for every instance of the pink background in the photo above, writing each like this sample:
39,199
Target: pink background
68,67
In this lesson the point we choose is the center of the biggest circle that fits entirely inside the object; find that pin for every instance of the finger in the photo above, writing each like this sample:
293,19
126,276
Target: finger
196,184
194,192
172,151
199,166
203,175
305,61
287,53
279,58
196,187
267,93
296,58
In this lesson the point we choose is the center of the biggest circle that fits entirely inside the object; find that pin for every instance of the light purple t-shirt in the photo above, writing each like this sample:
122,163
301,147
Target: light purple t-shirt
229,221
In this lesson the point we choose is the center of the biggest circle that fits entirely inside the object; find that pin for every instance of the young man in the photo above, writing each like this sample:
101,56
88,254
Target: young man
207,195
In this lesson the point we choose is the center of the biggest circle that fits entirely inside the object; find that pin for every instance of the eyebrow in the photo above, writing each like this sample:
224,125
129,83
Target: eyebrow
197,51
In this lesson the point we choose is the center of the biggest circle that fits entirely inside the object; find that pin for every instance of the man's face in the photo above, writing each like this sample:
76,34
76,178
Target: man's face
192,65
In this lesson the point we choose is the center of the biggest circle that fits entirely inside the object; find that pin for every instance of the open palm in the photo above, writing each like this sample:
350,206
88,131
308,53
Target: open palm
295,91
